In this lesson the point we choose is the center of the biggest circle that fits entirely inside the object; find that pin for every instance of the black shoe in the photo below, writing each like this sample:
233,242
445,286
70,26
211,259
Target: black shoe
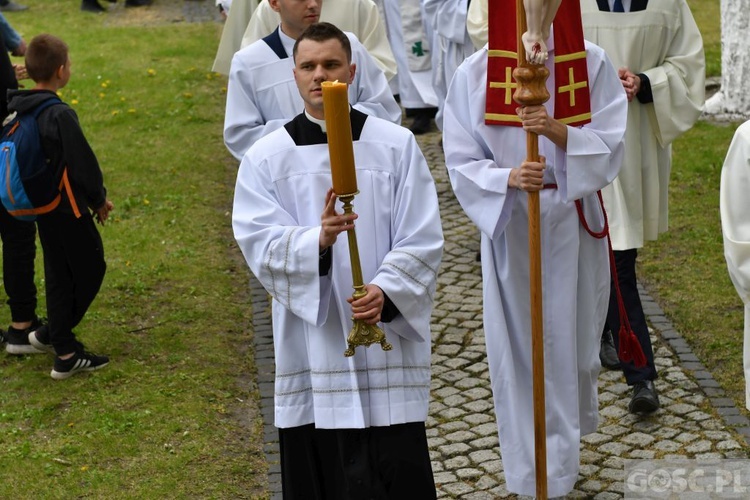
39,338
420,125
12,7
608,353
18,340
92,6
81,361
138,3
645,399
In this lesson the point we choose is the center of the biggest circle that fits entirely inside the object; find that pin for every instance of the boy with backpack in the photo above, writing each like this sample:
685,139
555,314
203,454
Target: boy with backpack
74,263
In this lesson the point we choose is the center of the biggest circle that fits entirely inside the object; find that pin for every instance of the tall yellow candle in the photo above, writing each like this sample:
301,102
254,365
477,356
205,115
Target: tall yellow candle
339,131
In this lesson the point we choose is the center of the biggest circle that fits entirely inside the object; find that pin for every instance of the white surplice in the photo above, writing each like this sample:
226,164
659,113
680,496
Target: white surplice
262,94
410,39
279,199
735,226
451,44
575,266
231,34
360,17
662,42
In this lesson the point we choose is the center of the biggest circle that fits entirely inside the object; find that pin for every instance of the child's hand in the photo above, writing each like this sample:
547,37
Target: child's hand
103,212
20,71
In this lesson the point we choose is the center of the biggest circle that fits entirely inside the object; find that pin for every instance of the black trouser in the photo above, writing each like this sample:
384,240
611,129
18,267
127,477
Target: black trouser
19,237
19,251
74,270
378,463
625,263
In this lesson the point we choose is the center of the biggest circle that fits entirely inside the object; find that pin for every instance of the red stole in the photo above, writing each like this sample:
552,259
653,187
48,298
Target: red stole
572,100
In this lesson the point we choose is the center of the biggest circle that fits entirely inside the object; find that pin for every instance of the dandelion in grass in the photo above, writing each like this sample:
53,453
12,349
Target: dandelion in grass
151,72
74,102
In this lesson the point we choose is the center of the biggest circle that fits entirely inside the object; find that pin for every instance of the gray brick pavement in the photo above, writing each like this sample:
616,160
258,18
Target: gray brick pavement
697,420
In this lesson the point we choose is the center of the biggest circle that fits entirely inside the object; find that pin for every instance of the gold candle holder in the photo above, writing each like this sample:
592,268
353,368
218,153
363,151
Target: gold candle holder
361,332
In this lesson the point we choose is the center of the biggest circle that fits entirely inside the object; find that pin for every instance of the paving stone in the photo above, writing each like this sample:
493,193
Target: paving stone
457,462
596,438
485,442
460,436
614,448
445,477
702,446
469,474
638,439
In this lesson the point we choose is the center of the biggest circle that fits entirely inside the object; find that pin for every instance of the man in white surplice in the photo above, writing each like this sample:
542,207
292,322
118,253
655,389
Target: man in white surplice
364,414
262,95
735,218
490,178
659,52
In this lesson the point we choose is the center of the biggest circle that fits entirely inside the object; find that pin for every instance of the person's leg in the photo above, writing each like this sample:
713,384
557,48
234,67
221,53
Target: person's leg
640,378
19,252
401,461
74,270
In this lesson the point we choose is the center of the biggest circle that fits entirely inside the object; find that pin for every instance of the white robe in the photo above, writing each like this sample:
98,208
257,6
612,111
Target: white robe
279,197
262,94
735,225
231,35
406,29
575,265
451,44
664,43
361,17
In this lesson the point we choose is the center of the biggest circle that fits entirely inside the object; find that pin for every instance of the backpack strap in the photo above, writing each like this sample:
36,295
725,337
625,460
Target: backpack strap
65,183
46,104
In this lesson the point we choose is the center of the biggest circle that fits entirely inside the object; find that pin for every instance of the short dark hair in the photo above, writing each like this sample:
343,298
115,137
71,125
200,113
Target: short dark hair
320,32
44,55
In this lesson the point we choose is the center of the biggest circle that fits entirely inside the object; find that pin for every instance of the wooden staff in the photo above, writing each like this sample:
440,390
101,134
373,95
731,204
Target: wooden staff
532,90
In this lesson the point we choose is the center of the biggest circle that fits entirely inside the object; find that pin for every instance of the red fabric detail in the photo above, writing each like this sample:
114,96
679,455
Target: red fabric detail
630,349
568,39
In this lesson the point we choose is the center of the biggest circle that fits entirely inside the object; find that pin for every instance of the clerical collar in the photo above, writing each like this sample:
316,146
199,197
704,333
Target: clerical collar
321,123
287,42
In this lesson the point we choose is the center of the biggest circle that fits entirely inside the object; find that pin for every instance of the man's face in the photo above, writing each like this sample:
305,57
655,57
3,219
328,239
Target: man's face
318,62
296,15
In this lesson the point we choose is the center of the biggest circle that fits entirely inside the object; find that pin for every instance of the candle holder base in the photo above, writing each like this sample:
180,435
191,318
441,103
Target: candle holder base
366,335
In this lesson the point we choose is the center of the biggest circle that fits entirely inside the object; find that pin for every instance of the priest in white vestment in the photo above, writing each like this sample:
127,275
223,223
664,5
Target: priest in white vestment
364,415
490,178
360,17
735,226
262,95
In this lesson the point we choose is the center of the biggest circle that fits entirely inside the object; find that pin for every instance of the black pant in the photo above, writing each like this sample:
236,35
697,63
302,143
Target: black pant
74,270
625,263
377,463
19,251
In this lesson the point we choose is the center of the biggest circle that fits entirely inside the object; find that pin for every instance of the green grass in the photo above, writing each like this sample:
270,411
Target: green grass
169,417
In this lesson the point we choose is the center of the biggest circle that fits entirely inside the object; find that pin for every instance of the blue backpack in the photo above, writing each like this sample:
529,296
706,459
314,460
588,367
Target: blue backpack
29,187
